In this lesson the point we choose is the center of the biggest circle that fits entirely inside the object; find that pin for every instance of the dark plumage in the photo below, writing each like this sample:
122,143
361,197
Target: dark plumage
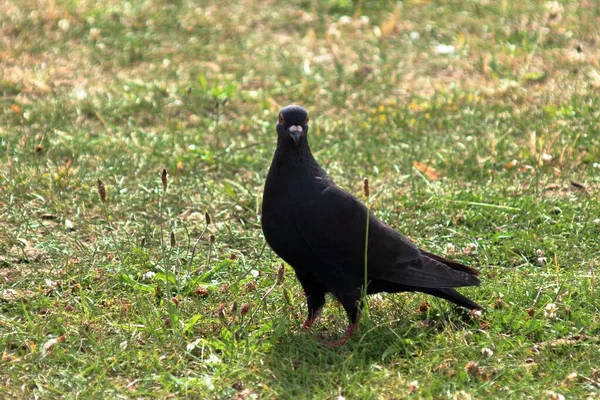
319,229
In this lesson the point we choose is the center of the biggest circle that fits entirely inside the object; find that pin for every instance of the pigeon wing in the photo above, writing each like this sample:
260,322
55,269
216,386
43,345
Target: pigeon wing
333,226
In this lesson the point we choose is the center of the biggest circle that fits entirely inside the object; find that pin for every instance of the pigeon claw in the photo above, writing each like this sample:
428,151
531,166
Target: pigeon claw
311,320
307,324
349,331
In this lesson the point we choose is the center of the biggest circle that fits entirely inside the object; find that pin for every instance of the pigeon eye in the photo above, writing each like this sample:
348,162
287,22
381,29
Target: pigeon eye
280,119
306,121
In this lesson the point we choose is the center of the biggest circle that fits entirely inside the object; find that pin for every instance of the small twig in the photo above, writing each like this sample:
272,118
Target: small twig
593,282
581,186
101,119
196,245
537,296
591,381
162,231
558,291
479,204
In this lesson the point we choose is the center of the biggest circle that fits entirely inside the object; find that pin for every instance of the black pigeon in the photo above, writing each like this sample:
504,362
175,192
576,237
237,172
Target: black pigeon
319,229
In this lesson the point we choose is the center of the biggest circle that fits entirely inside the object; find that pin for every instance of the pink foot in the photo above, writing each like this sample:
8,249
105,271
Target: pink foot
309,321
349,331
307,324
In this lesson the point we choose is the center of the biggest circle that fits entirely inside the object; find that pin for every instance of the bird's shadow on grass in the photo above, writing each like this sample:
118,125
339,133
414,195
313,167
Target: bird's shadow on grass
302,365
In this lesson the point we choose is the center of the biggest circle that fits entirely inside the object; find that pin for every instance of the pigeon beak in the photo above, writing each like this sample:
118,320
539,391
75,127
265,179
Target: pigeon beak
295,133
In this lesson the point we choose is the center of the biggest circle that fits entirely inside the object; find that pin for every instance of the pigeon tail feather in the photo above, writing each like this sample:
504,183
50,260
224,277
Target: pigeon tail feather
453,296
452,264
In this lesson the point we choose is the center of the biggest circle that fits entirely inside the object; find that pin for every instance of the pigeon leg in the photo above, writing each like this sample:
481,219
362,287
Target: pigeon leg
352,306
312,317
349,331
315,298
315,301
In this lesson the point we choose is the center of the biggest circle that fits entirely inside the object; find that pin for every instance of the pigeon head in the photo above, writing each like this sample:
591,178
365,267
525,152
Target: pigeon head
292,124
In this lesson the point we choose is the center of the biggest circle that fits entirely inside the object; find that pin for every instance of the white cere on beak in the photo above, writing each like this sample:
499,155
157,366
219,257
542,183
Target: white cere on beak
295,128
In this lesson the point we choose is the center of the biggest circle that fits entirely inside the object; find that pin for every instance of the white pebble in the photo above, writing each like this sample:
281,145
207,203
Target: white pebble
444,49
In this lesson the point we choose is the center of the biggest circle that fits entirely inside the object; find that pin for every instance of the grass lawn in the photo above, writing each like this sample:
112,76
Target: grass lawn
477,124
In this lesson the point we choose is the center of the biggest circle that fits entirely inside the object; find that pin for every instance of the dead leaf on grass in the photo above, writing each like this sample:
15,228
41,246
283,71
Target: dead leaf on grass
15,294
430,172
572,377
26,253
47,347
568,341
9,295
552,395
244,394
16,109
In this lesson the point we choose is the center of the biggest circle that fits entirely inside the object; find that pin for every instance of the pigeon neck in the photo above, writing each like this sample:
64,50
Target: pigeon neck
293,163
300,153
